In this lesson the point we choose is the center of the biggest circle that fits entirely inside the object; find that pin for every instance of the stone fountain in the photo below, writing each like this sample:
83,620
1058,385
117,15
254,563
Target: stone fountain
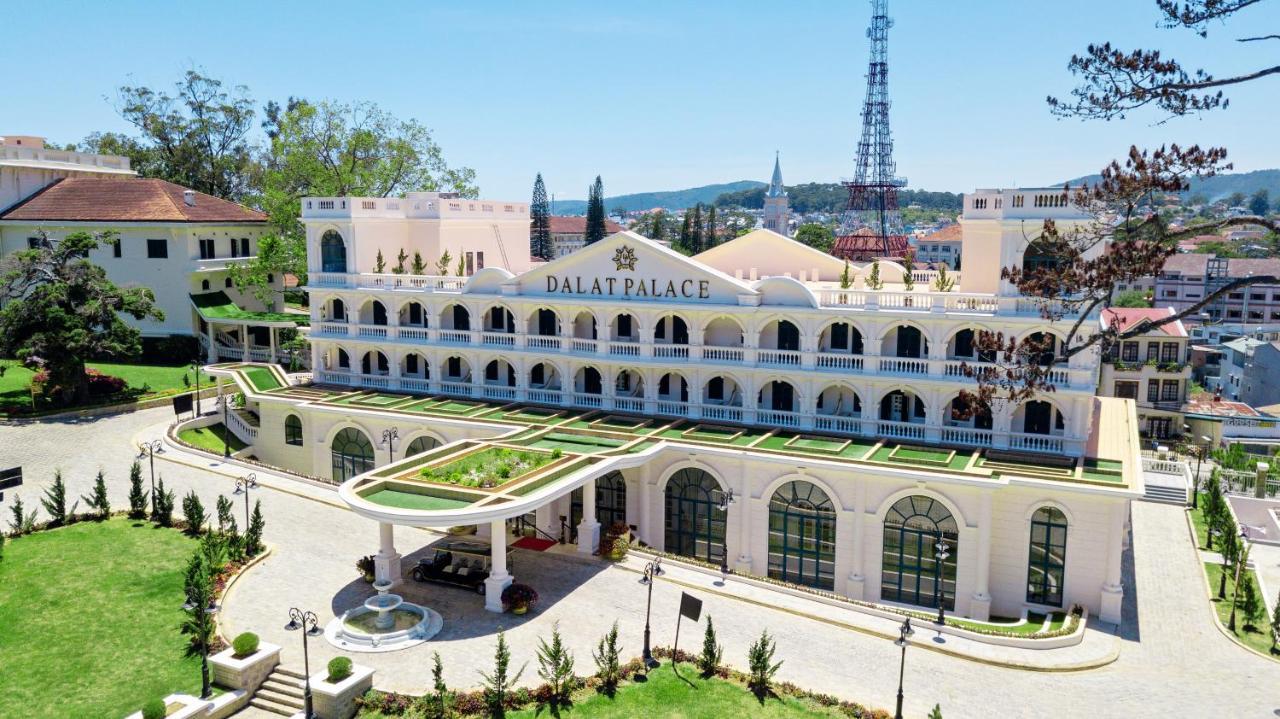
385,622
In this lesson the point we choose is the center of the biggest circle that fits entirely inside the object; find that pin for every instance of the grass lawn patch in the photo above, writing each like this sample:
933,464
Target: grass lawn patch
402,499
262,378
89,618
1257,638
1200,522
489,467
818,444
210,438
143,380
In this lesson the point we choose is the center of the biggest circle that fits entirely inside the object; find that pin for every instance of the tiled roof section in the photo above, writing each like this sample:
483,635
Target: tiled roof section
578,225
1195,263
1131,316
92,199
950,233
1208,404
864,243
1190,263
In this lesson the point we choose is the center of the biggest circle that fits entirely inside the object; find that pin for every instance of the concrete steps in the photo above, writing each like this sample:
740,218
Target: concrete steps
1167,495
281,693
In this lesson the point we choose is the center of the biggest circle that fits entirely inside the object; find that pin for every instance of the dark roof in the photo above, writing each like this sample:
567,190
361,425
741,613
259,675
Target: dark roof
562,225
1196,263
93,199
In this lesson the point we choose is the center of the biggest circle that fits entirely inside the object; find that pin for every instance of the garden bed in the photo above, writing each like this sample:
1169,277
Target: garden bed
488,468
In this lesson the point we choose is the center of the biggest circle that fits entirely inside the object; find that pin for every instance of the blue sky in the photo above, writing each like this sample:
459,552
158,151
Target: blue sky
654,95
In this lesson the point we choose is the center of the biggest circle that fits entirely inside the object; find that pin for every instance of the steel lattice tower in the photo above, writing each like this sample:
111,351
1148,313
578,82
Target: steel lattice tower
873,193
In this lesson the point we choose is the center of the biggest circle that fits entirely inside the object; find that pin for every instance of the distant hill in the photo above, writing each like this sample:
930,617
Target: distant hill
834,197
1220,186
669,200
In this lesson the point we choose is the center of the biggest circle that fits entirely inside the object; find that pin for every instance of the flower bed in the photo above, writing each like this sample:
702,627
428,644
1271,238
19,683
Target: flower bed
488,467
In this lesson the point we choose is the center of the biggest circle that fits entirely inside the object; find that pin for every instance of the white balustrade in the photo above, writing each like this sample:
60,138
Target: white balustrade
837,423
722,413
498,339
722,354
499,393
967,436
340,329
778,357
374,331
544,396
458,337
778,418
415,334
843,362
1036,442
455,387
671,351
899,365
901,430
415,384
624,349
375,381
674,409
582,399
542,342
629,404
582,345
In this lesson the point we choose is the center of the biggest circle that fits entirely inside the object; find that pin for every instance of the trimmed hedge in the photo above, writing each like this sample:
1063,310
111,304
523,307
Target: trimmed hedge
245,644
339,669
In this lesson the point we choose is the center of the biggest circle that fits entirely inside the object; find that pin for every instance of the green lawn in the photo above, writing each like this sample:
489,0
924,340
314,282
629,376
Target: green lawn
156,379
1198,521
1256,638
210,438
88,620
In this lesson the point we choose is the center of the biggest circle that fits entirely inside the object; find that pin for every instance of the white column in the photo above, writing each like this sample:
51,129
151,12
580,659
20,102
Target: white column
1112,589
244,342
745,524
980,604
856,587
545,518
588,528
213,348
498,579
647,532
386,563
271,332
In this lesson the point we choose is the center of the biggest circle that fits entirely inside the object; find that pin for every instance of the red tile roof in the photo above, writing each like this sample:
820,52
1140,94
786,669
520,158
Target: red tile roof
1128,317
92,199
578,225
950,233
865,245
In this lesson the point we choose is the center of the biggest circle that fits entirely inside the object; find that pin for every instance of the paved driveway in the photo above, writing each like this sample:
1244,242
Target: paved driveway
1173,661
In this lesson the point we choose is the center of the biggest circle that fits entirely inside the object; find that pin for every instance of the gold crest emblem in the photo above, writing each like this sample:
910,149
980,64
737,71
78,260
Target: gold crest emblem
625,258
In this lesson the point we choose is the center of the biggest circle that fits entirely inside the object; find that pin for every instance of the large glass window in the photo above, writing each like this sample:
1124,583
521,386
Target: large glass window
1047,559
802,535
293,430
611,502
333,253
910,571
695,523
351,453
420,445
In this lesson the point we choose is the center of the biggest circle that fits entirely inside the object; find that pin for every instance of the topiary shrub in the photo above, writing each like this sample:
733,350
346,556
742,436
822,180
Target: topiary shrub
154,709
245,644
339,669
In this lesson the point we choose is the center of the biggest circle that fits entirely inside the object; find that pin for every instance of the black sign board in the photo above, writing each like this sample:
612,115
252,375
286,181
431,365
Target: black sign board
182,403
10,478
690,606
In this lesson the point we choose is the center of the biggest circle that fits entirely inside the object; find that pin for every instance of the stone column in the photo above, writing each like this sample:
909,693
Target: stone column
646,506
743,562
271,332
244,341
386,563
498,579
1260,484
588,528
1112,589
856,586
213,348
980,604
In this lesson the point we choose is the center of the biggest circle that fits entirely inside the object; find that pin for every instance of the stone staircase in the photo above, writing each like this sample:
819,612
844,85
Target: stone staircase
1165,494
281,693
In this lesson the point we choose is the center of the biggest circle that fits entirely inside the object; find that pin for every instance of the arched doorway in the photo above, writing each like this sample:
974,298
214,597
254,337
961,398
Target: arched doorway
910,572
333,253
802,535
420,445
611,502
695,521
351,453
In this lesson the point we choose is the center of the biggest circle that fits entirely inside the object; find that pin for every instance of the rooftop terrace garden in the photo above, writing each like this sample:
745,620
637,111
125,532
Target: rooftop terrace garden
489,467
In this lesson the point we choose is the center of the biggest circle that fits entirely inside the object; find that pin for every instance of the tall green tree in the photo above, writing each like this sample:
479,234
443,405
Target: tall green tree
595,230
686,237
55,500
97,499
498,683
695,230
555,666
815,235
58,310
137,495
197,136
712,230
253,533
658,228
540,222
1260,202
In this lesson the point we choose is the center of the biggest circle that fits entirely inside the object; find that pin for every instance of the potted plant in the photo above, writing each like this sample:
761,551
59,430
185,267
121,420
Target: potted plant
364,565
518,597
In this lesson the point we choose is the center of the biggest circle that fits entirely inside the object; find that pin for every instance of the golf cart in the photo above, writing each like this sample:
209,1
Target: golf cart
460,564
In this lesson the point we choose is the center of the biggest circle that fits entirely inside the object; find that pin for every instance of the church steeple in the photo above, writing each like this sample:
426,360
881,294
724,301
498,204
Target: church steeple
775,184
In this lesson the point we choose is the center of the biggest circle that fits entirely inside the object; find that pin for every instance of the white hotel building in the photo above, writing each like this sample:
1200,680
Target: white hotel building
737,407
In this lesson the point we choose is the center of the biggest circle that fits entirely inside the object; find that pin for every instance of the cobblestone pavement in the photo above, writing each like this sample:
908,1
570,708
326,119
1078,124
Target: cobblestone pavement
1173,660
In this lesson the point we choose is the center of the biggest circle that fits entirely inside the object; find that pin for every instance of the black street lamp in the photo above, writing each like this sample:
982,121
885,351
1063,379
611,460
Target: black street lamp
905,632
726,499
202,609
652,570
148,449
243,485
389,437
195,366
310,626
226,427
1235,590
940,561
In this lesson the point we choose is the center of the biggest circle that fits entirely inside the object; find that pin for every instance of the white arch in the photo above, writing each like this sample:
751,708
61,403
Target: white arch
779,482
883,509
1042,503
670,472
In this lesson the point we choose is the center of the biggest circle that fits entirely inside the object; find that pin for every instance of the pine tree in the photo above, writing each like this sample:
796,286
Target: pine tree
442,264
685,237
909,263
760,665
943,282
540,222
710,240
497,684
21,523
658,226
608,667
1251,604
936,713
555,666
438,703
845,279
97,499
226,516
55,501
1230,550
595,230
137,495
400,260
198,624
163,513
712,652
461,268
379,264
1275,625
695,230
873,280
193,511
419,266
253,534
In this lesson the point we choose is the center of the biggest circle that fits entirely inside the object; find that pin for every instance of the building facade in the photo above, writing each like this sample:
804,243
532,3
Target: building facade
722,405
569,233
1153,368
941,247
1186,279
27,166
777,209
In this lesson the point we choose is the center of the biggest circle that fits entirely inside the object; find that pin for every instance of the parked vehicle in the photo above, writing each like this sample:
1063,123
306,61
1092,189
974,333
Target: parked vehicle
460,564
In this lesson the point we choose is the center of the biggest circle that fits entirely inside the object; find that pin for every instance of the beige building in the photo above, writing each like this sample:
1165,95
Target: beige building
1152,369
569,233
27,166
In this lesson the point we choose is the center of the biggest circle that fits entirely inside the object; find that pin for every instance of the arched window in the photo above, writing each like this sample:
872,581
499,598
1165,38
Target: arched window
351,453
1041,255
293,430
227,283
611,502
910,571
695,521
344,359
802,535
204,285
333,253
1047,557
420,445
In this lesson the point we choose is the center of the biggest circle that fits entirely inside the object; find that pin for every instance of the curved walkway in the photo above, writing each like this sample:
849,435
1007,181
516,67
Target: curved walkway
1172,661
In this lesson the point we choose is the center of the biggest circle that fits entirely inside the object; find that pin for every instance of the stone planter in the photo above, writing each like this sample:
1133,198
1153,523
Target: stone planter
191,707
247,673
338,701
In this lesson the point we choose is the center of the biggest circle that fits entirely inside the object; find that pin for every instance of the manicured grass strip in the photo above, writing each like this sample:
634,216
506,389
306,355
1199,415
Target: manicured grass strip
89,619
15,385
210,438
1200,522
262,378
414,500
1033,625
1258,637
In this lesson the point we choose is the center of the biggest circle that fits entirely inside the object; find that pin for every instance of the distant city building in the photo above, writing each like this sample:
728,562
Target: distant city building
27,166
1150,368
777,209
941,247
1187,278
569,234
1248,372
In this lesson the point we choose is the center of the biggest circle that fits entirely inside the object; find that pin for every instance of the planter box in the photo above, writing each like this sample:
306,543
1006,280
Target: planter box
338,701
247,673
191,707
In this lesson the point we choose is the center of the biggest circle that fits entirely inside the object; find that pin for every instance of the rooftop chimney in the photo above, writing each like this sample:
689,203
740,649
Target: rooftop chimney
189,197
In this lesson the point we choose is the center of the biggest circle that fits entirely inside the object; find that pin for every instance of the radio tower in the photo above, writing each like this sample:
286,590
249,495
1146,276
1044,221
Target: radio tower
873,193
